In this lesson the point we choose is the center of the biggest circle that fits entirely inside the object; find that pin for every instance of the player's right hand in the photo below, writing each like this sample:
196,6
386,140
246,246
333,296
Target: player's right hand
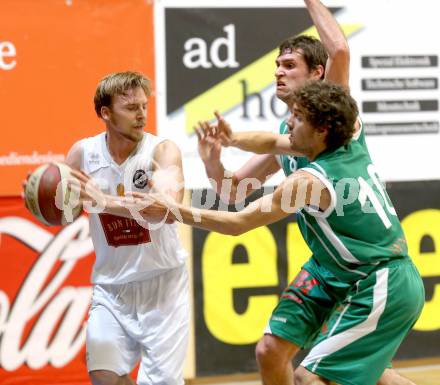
224,132
23,193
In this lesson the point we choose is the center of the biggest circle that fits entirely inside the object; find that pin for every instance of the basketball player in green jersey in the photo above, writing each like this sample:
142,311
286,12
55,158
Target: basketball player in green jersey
300,59
359,294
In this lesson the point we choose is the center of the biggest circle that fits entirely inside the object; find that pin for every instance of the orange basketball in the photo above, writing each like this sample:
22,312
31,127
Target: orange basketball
48,197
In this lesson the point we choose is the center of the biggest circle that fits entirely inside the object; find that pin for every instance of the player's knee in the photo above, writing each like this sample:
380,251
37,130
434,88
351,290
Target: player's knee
303,377
267,355
386,378
262,353
391,377
105,377
299,376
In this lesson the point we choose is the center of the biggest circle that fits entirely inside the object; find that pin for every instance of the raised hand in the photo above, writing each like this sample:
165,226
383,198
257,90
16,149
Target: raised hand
223,130
209,145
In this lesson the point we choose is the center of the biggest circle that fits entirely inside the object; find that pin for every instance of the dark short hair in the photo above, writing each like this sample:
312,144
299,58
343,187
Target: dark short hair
313,51
116,84
330,106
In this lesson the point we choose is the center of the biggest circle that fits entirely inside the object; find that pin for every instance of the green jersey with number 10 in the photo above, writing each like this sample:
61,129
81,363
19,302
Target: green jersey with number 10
360,228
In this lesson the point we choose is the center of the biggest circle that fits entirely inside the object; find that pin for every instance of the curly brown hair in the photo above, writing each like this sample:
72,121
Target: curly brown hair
116,84
313,51
329,106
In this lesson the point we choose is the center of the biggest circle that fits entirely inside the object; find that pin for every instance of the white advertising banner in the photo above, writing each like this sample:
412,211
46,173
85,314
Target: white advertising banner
220,55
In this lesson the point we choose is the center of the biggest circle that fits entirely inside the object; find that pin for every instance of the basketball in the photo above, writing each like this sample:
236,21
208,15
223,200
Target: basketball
48,197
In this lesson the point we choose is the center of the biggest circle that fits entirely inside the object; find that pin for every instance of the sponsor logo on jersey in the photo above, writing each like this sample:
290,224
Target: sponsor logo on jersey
94,158
121,231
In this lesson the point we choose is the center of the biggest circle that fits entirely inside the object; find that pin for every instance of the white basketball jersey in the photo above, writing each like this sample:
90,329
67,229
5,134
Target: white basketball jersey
125,250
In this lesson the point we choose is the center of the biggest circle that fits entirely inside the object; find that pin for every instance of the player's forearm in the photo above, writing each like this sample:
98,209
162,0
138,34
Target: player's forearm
222,180
220,221
329,31
119,206
254,141
262,142
129,207
258,213
216,172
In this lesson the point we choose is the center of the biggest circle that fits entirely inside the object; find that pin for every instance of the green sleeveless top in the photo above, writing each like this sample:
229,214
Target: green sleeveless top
360,229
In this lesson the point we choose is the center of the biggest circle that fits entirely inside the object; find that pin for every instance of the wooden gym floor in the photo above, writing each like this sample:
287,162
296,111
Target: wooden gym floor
421,372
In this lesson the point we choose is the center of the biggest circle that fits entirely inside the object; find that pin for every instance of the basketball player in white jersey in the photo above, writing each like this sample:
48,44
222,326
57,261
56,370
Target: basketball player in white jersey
139,310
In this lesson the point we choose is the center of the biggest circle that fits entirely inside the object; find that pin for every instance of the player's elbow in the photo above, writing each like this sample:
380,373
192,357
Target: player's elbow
341,51
235,231
237,227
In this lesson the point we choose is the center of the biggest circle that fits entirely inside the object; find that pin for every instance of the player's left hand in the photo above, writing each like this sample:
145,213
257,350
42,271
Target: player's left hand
209,146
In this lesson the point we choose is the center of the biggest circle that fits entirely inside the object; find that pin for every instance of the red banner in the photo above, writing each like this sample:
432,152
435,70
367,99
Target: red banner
44,298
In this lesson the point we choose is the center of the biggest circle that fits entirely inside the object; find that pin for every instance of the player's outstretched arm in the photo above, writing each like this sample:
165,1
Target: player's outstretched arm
291,195
259,142
262,142
334,41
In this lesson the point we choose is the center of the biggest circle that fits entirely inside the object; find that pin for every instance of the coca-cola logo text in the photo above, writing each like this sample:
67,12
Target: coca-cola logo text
57,312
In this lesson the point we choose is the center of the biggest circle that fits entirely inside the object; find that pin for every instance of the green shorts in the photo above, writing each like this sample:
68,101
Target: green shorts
353,330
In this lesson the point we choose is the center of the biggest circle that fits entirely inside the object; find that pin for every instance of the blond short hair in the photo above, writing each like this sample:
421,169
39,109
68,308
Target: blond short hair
116,84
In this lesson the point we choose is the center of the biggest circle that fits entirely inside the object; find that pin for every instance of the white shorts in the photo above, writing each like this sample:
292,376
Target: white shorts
146,321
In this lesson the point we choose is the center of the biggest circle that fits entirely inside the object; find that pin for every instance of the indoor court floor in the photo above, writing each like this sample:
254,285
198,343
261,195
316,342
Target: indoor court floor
421,375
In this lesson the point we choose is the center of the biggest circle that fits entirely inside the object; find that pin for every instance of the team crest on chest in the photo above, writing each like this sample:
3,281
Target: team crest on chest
140,178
